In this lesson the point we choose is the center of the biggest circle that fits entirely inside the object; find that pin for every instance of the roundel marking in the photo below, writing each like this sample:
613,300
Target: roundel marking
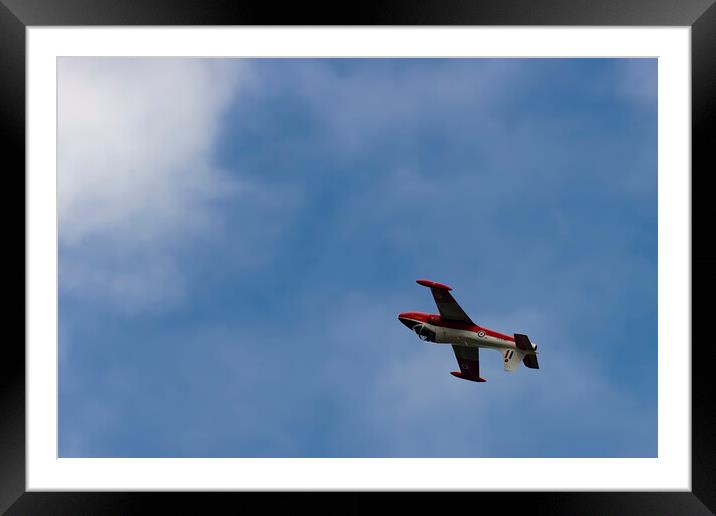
480,333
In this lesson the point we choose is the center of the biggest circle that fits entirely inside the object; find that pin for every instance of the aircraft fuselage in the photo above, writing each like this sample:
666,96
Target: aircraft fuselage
433,328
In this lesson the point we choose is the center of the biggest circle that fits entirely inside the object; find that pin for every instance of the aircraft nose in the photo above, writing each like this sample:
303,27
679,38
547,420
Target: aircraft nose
407,322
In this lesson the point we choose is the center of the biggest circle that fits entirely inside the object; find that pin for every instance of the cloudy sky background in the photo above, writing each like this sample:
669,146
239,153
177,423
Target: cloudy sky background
238,236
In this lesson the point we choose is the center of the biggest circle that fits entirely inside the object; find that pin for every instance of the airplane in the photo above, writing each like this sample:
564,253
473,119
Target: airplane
453,326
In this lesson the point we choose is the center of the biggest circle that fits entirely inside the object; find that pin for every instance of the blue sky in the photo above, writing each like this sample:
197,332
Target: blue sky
238,236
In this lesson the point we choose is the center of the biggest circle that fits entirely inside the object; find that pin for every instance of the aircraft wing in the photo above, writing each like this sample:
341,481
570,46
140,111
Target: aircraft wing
469,361
447,306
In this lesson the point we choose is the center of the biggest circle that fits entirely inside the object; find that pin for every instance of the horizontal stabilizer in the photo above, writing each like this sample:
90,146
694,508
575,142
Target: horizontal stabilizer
530,350
523,342
531,361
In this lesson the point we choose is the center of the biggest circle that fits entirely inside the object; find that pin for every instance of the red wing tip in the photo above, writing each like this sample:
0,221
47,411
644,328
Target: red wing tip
432,284
458,374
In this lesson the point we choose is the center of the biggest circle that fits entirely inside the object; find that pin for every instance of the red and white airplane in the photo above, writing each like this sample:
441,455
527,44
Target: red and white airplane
453,326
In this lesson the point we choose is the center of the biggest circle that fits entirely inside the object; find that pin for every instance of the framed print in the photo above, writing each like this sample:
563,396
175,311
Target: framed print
226,209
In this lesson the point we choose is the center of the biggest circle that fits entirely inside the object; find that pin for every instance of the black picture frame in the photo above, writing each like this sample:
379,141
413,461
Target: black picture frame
700,15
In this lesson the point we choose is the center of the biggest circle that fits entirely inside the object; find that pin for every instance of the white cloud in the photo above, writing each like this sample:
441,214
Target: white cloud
136,175
134,143
136,179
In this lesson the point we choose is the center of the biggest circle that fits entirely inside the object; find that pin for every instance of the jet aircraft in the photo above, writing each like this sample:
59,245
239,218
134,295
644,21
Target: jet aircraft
453,326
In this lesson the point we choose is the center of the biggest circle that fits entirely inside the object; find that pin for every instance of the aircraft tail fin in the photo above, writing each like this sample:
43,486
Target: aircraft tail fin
513,357
528,350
